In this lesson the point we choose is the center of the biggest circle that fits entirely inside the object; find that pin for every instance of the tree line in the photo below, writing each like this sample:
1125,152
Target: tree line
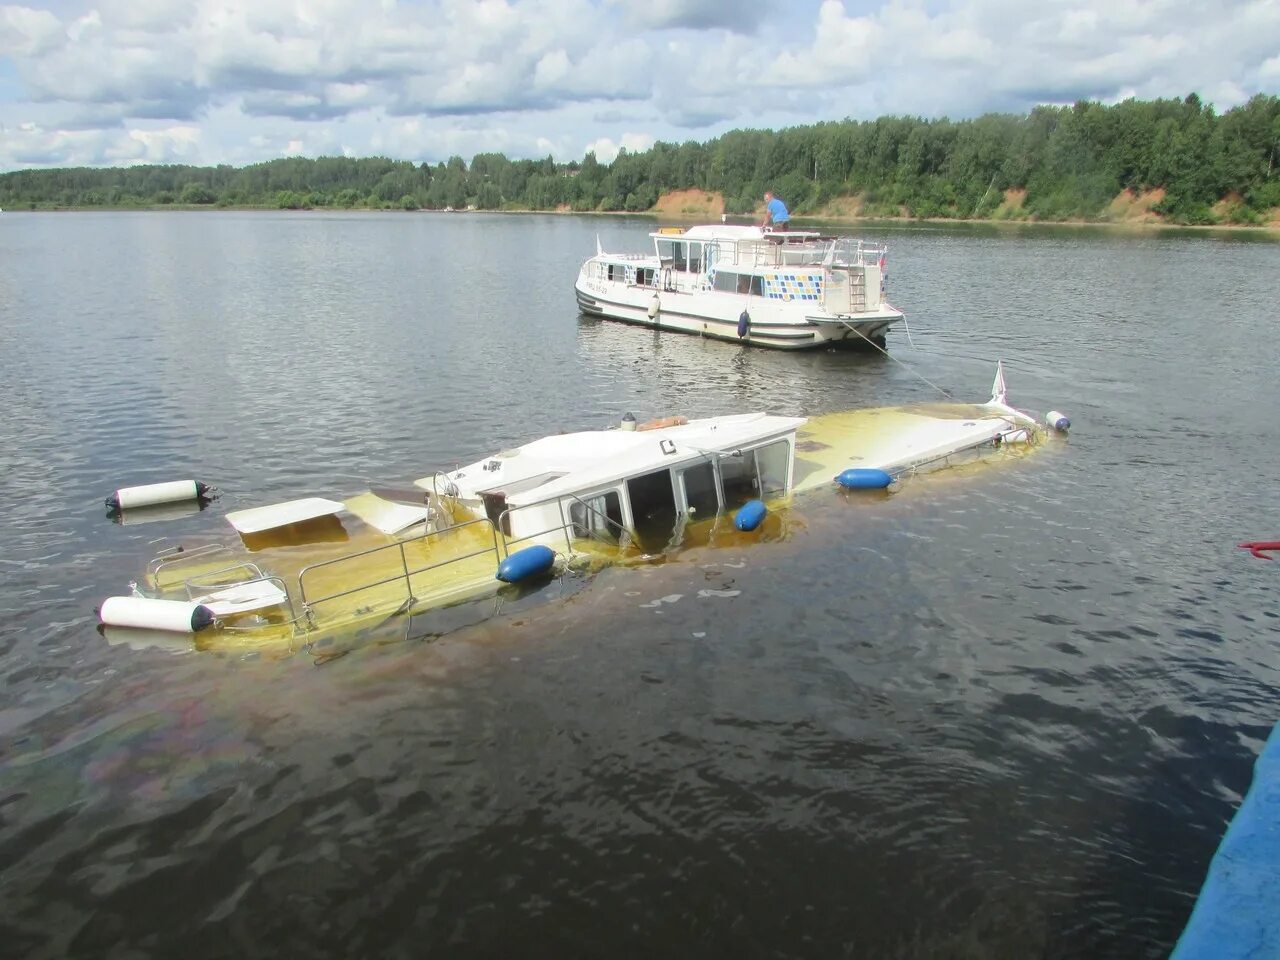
1062,163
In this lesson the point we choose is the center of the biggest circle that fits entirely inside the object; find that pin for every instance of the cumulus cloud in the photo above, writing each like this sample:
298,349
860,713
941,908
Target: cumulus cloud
426,78
32,145
606,150
26,32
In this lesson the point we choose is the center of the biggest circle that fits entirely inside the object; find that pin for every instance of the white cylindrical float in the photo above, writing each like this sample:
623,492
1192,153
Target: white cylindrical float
153,493
1058,421
178,616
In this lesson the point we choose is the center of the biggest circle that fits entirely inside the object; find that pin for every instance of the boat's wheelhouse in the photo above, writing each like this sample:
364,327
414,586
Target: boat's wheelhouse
651,502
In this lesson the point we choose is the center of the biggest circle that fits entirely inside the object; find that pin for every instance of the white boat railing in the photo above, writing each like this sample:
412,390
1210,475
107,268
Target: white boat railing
180,554
838,252
405,573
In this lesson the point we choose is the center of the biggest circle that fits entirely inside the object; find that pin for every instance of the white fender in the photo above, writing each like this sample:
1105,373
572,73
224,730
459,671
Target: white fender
153,493
176,616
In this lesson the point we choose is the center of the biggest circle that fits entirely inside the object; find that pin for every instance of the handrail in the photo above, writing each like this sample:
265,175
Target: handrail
406,573
255,573
180,555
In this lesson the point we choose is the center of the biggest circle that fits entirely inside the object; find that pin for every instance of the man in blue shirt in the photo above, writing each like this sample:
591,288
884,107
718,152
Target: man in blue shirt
775,212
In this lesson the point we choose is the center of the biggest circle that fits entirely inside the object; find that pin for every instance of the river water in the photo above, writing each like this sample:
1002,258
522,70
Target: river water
1004,713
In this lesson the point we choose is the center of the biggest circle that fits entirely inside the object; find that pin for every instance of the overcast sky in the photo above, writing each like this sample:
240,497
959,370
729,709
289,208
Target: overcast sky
104,82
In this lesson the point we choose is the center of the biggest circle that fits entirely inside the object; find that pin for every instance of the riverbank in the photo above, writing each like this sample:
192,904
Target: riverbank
836,213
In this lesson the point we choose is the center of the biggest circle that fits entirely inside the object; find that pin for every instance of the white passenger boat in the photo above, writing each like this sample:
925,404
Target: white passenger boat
790,290
315,566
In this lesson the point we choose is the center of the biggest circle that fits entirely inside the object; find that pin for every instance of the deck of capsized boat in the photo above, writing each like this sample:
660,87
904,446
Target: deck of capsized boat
455,565
885,436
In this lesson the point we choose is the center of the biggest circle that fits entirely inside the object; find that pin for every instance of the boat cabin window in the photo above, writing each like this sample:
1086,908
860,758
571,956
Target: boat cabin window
772,462
731,282
755,473
598,517
683,255
653,508
644,276
617,272
495,508
672,253
700,496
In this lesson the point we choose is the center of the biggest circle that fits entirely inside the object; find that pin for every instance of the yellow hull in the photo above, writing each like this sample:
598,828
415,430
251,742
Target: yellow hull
343,586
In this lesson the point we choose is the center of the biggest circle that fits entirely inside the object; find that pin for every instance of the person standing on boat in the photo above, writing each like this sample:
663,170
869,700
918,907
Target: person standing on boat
775,213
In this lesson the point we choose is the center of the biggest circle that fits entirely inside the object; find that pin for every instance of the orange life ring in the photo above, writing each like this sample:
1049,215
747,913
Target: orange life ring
663,422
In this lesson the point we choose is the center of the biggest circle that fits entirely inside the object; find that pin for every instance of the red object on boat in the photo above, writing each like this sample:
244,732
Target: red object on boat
1258,547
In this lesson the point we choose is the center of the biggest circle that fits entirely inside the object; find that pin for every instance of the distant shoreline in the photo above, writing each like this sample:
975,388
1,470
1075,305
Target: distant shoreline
1128,226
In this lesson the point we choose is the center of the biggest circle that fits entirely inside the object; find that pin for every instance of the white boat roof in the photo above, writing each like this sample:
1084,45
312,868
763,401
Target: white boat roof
257,519
727,231
575,462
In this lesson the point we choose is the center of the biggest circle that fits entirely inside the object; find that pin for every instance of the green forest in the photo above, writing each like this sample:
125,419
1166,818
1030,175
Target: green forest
1192,164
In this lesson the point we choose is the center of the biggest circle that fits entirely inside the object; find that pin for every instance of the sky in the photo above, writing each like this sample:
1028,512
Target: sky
113,82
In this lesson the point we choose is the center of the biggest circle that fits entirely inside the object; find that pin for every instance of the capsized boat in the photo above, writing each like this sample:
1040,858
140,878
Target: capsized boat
316,567
790,290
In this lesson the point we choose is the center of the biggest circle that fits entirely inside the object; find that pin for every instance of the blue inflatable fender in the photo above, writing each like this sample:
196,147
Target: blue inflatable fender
862,478
750,515
744,324
526,563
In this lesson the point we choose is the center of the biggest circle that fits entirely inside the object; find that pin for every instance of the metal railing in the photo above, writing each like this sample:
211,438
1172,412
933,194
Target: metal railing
405,573
565,526
179,554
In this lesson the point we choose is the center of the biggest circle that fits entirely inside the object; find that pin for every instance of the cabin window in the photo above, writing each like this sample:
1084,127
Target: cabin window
673,253
644,276
597,518
737,283
495,508
695,258
738,477
653,508
617,272
700,497
755,474
755,286
772,462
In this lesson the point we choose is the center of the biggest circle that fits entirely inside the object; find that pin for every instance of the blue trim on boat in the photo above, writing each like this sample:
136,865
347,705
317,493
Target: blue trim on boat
1238,912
